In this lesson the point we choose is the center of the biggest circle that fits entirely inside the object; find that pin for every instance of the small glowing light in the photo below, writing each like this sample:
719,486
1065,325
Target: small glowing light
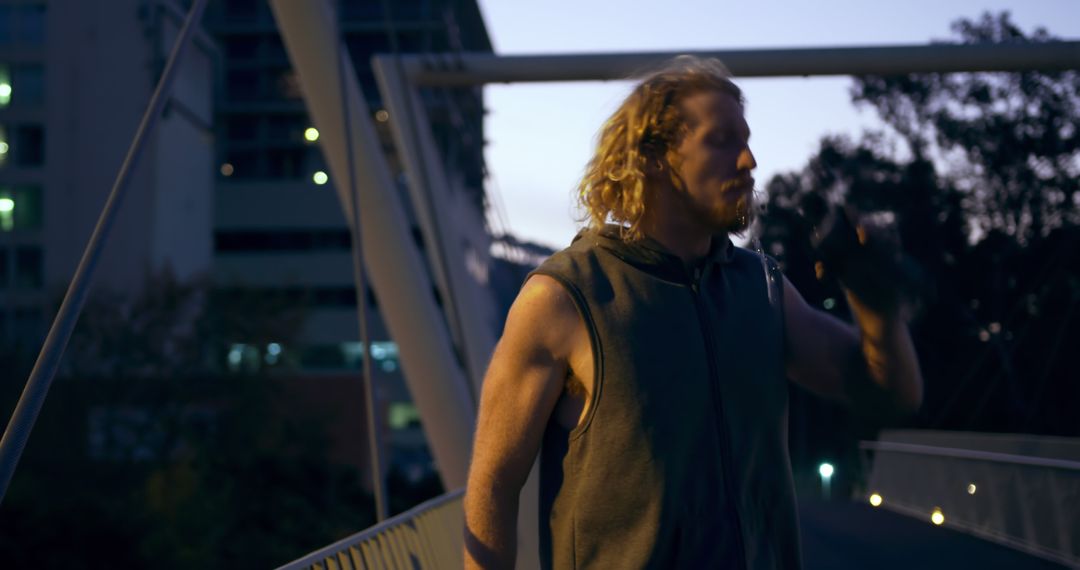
875,500
311,134
829,303
236,355
937,517
382,115
227,169
7,205
971,489
4,148
995,327
826,470
273,348
5,90
984,335
320,177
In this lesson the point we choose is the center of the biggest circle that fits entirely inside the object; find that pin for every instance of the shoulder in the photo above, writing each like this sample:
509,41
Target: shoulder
544,313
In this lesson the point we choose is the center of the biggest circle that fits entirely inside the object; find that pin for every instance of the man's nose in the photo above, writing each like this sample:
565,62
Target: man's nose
746,160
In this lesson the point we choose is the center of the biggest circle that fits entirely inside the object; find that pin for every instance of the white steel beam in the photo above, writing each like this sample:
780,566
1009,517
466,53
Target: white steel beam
442,211
396,270
480,68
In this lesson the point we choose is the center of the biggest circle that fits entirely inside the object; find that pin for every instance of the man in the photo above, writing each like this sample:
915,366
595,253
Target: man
649,359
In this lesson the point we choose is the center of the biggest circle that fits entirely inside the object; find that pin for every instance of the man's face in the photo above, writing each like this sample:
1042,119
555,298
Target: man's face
712,161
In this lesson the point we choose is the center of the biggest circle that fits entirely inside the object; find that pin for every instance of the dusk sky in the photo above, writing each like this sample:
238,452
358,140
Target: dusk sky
541,135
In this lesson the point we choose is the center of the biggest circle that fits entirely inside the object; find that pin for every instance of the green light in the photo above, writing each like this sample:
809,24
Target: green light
5,93
320,177
311,134
825,470
7,218
4,148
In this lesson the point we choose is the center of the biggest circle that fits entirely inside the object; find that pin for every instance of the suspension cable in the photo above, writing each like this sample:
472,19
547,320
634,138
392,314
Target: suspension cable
359,284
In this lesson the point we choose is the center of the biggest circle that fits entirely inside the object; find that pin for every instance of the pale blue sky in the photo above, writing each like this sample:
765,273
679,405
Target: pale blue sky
541,135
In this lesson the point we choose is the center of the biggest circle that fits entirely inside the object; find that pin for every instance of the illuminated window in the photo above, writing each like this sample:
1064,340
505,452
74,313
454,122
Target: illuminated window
22,84
20,208
24,145
403,415
5,86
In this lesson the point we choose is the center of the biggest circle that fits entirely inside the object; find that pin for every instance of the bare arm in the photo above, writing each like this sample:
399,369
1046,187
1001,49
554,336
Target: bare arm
871,366
522,385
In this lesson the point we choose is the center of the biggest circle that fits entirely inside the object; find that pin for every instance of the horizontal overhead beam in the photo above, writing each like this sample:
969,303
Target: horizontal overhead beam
478,69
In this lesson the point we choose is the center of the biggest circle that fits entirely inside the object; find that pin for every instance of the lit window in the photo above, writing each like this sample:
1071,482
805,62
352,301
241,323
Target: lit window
27,216
7,214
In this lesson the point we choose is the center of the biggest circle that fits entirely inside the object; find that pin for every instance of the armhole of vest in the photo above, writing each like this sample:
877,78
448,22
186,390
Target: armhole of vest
594,340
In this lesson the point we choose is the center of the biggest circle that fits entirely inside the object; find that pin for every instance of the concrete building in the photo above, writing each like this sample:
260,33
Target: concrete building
75,79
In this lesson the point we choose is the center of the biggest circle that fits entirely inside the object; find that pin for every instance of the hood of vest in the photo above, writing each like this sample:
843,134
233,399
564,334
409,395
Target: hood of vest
652,257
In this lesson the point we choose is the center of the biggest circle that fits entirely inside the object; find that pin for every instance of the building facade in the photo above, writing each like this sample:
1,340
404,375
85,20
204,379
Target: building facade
75,79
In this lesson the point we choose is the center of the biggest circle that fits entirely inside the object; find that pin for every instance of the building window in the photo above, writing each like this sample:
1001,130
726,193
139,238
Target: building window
20,208
243,128
286,163
30,24
245,164
242,85
28,84
23,24
242,48
28,267
282,240
242,11
24,145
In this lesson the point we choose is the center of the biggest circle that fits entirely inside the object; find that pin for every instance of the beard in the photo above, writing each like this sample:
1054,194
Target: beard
725,214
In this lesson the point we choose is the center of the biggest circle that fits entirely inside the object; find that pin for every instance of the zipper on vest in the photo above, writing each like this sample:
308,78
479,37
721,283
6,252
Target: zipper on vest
721,419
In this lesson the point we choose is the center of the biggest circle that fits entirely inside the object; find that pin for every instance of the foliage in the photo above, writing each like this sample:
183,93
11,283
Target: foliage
149,454
979,173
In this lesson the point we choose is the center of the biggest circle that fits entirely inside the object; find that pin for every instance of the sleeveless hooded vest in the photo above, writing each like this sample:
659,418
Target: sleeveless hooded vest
682,459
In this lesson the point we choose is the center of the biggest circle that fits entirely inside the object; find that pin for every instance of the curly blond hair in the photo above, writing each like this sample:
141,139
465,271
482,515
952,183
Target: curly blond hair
644,128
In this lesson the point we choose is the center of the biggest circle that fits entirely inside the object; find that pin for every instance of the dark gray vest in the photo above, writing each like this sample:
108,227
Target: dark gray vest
682,460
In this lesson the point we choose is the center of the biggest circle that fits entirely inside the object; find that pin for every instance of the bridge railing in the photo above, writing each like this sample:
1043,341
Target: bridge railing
426,536
1019,491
